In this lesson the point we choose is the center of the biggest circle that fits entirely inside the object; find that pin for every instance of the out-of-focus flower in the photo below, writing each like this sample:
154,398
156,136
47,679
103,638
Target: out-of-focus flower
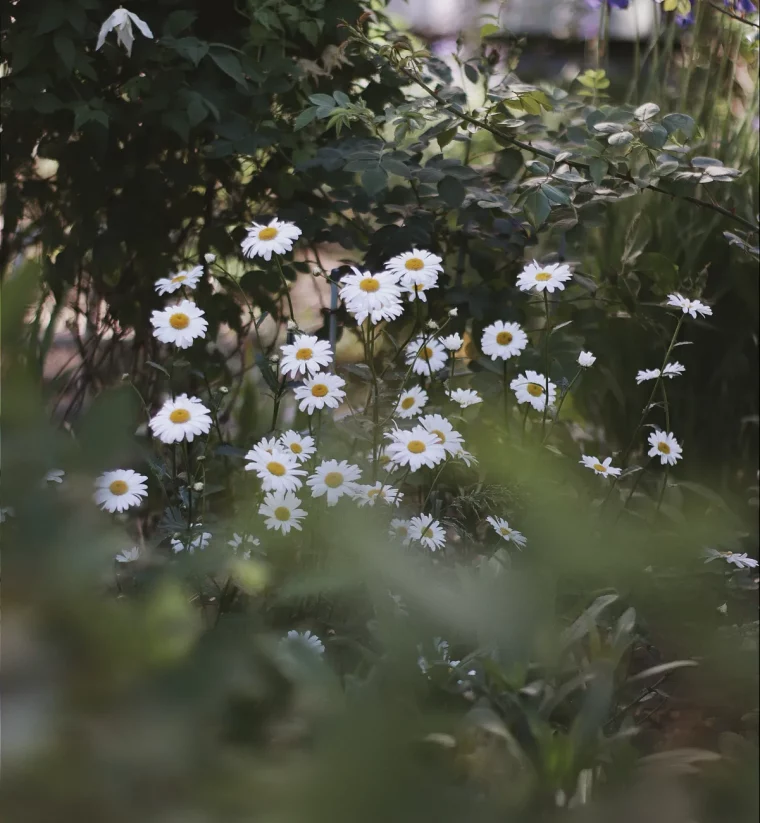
121,21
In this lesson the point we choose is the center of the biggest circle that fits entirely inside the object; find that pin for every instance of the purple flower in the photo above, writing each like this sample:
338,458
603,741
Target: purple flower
744,6
616,4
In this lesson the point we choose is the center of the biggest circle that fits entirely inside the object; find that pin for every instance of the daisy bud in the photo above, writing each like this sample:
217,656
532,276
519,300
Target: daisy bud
223,390
292,325
198,487
201,457
274,359
586,359
209,258
431,324
453,312
125,376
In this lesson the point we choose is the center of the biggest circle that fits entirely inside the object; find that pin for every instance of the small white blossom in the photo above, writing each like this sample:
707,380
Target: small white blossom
121,21
586,359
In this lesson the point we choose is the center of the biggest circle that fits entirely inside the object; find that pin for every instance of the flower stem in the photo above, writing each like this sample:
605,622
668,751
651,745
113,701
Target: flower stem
432,484
559,405
286,287
547,333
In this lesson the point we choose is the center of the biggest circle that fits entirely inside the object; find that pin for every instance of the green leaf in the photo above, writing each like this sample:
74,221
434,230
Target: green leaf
178,21
451,191
597,168
229,64
304,118
537,207
556,195
65,49
341,98
445,137
678,122
322,100
395,167
653,135
374,180
471,73
190,48
646,111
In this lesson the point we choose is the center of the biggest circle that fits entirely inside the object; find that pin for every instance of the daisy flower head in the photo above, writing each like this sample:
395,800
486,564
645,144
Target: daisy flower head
320,390
179,324
384,459
377,296
54,476
503,340
742,561
600,467
665,446
119,490
426,357
550,277
128,555
267,444
532,388
282,511
417,263
448,437
180,419
464,397
305,640
411,402
427,531
275,238
671,370
377,493
586,359
468,458
452,342
245,545
200,542
305,354
692,307
300,445
399,529
334,478
506,532
415,448
189,279
417,291
277,471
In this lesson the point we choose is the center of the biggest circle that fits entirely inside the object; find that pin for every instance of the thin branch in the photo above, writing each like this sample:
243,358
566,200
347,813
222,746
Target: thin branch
728,13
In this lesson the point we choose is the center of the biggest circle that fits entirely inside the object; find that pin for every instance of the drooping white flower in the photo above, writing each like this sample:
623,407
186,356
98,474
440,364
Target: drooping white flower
128,555
306,640
119,490
451,440
182,418
209,258
503,340
180,324
411,402
604,468
276,238
199,543
741,561
320,390
415,266
506,532
334,478
121,21
400,530
464,397
188,279
427,531
425,356
282,511
377,493
692,307
586,359
468,458
243,545
277,471
646,374
452,342
54,476
665,446
671,370
306,354
302,446
550,277
415,448
377,296
531,387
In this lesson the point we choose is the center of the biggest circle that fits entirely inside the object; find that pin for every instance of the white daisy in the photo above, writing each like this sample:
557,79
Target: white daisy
277,471
743,561
411,402
334,478
671,370
302,446
417,263
531,387
306,640
586,359
180,419
377,296
121,21
417,291
128,555
603,468
692,307
503,340
415,448
179,324
646,374
384,459
400,530
267,444
320,390
282,511
189,279
466,457
119,490
200,542
549,277
665,446
464,397
438,425
452,342
248,543
305,354
425,357
54,476
503,529
428,531
379,492
276,238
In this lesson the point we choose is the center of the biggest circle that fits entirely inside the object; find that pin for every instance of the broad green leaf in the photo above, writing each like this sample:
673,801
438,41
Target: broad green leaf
304,118
679,122
229,64
452,191
64,46
537,207
374,180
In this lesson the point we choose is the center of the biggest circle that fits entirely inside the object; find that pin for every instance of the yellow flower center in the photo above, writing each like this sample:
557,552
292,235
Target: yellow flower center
418,287
503,338
441,435
543,276
407,403
282,513
534,390
414,264
664,448
304,354
384,459
319,390
416,446
178,278
333,479
369,284
504,532
599,467
296,448
426,532
179,416
427,353
275,468
375,492
179,320
118,487
269,233
402,531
